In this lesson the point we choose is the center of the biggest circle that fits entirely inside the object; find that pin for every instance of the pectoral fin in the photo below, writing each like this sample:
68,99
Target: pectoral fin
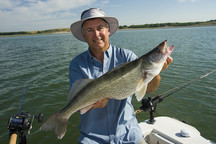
141,93
141,90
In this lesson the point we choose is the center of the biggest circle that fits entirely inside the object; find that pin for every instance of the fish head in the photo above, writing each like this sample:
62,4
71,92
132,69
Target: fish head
160,53
154,60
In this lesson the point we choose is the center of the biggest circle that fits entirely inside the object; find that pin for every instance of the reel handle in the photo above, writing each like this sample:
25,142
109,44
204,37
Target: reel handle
13,138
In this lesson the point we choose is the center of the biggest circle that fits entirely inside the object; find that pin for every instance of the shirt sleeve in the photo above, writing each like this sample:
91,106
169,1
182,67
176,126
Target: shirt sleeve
129,55
132,56
74,73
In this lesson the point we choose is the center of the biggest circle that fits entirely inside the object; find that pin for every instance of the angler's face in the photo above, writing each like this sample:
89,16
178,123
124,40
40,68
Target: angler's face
96,34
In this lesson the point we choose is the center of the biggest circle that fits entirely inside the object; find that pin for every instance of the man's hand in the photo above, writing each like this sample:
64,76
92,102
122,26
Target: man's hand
101,103
167,63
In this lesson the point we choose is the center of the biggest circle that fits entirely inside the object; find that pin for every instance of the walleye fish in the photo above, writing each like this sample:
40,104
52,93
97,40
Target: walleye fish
119,83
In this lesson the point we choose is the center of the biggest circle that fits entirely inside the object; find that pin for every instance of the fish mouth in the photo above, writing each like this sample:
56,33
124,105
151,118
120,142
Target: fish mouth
165,48
171,48
160,53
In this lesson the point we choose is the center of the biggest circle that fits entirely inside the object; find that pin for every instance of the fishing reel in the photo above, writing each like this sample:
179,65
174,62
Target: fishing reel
19,123
149,105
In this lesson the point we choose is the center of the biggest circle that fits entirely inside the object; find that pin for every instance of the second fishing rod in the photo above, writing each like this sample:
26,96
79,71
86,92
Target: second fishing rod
149,104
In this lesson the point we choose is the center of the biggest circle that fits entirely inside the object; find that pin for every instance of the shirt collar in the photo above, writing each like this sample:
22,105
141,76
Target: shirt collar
108,53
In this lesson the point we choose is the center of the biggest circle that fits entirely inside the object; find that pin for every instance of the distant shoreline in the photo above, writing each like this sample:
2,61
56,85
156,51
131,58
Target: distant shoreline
125,27
22,33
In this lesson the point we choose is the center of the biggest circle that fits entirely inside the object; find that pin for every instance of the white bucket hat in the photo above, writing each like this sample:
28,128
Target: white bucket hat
76,28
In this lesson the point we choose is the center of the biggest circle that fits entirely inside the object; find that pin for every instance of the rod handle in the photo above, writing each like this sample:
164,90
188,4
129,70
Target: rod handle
13,138
138,111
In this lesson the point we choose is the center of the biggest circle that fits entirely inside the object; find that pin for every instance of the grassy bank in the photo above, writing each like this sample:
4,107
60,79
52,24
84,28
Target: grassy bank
50,31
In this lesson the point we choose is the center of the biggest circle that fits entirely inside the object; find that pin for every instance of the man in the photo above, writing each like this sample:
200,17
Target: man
110,120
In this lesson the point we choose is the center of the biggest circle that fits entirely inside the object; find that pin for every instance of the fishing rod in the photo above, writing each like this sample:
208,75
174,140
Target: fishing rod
21,122
149,104
24,96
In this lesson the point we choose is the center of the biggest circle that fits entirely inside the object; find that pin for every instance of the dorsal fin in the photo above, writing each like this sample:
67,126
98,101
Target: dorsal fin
77,86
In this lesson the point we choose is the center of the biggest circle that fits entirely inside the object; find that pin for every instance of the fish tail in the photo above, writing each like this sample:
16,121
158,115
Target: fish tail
57,123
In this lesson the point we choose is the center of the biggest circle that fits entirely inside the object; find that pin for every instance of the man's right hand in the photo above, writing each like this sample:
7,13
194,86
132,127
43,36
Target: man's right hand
101,103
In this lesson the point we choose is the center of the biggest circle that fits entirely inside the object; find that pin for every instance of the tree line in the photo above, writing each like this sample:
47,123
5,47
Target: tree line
50,31
175,24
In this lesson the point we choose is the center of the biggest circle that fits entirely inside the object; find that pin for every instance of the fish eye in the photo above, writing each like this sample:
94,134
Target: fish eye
158,50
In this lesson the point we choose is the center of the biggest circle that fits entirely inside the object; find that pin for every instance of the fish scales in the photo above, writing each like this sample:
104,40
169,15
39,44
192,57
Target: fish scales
110,85
123,82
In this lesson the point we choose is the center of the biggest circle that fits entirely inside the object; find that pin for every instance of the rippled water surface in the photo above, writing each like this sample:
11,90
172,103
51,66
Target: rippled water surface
44,59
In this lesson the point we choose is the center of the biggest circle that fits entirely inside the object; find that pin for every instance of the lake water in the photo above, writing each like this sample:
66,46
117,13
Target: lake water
45,59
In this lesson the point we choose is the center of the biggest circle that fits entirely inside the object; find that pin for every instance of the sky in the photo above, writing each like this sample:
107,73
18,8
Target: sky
35,15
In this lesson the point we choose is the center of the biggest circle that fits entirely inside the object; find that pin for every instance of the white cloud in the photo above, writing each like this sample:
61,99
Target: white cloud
6,4
181,1
41,9
22,12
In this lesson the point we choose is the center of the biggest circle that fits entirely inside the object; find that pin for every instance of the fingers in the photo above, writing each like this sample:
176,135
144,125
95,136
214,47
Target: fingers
169,60
101,103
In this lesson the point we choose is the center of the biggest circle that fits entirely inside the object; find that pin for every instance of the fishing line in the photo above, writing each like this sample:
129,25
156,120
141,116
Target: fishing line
150,103
24,96
33,133
176,89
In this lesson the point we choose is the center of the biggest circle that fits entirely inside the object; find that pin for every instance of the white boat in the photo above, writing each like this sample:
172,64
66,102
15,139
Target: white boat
166,130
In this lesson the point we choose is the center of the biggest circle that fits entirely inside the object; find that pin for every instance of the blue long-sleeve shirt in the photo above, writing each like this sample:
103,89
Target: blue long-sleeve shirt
116,122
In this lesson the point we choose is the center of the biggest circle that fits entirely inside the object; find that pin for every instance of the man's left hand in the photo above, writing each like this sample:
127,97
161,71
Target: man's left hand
167,63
